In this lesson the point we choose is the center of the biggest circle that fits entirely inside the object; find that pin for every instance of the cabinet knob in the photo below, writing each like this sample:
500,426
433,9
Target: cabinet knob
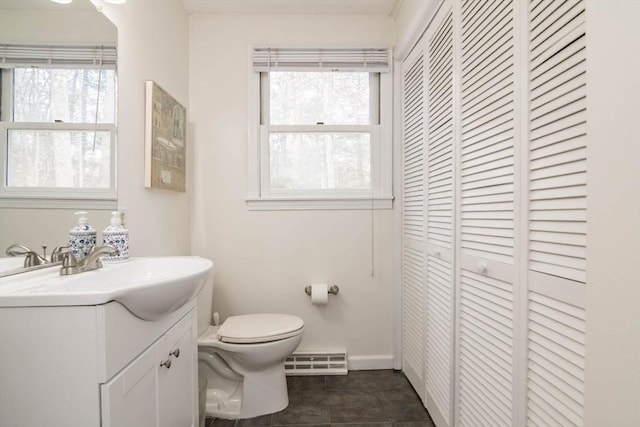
175,353
166,363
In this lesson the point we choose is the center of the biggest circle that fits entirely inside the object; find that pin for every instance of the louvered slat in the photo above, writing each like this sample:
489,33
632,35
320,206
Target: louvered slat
487,121
557,212
439,219
556,355
558,140
413,201
439,332
485,343
413,150
485,346
440,137
413,275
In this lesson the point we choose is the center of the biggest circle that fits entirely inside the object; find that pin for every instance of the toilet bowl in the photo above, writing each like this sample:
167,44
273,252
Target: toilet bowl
243,360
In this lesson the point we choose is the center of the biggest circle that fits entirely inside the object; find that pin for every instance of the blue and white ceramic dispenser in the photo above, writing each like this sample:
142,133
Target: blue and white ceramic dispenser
82,237
118,236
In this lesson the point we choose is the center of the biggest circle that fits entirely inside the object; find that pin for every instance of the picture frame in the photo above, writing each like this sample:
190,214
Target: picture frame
165,140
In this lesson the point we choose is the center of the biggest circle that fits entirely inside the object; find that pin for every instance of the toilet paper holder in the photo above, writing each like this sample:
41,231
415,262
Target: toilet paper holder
333,290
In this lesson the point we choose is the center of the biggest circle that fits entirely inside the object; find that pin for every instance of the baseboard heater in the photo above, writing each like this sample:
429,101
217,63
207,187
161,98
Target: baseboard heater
316,363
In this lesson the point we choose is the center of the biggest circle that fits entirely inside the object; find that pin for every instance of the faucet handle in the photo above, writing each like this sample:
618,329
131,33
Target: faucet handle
59,252
93,259
68,260
70,265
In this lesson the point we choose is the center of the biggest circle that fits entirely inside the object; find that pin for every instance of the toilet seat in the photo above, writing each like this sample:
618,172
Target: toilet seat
259,328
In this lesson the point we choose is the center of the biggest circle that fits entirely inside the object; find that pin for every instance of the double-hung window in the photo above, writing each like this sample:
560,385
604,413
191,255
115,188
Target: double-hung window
57,126
320,134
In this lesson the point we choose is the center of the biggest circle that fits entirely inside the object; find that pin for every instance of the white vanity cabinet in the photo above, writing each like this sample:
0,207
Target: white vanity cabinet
97,366
157,388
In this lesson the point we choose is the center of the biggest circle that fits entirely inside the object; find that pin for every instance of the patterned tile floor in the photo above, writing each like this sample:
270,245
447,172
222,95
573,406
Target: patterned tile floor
360,399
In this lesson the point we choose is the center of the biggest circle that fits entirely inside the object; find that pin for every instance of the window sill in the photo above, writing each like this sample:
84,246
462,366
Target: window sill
57,203
327,203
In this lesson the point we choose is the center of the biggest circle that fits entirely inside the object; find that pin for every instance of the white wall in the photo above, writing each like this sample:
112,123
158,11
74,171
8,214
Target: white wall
65,26
265,259
613,224
409,20
153,40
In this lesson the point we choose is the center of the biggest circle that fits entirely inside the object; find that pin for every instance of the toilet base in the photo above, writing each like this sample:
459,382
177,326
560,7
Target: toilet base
219,405
262,393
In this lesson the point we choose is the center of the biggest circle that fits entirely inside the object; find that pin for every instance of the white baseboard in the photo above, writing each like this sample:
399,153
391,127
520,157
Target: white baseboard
363,363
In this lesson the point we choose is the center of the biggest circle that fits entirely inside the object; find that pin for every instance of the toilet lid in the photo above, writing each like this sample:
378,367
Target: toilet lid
257,328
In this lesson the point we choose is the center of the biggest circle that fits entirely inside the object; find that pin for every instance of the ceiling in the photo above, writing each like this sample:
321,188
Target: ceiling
294,7
45,4
290,7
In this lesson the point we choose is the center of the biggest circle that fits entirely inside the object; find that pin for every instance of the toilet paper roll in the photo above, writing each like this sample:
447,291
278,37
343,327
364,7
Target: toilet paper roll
319,293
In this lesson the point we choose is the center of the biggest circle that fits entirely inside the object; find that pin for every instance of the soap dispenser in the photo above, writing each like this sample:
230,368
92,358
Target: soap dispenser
82,237
118,236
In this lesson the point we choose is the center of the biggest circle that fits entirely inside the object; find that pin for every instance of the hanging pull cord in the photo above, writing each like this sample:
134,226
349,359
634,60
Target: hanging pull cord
372,236
95,121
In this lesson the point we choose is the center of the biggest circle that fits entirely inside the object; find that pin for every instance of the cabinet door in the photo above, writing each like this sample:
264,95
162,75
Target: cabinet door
130,398
177,383
413,254
439,216
158,388
557,205
488,230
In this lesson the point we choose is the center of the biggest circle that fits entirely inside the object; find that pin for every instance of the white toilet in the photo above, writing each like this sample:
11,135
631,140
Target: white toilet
243,360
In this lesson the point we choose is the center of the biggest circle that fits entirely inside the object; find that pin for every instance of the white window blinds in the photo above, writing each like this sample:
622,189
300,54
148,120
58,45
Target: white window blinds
57,56
271,58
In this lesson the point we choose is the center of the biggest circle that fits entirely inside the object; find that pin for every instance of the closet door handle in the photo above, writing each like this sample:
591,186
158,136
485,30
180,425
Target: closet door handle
166,364
482,267
175,353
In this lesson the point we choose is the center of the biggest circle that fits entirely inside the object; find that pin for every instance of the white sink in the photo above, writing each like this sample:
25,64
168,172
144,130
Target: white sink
11,263
149,287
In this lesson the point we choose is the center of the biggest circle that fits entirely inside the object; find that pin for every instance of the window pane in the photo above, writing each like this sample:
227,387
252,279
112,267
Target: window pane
59,159
46,95
320,161
306,98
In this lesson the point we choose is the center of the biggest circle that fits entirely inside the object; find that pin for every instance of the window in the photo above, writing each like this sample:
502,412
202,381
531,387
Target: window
321,136
57,124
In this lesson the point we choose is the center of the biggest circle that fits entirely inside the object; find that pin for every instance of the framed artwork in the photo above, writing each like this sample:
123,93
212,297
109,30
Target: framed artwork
165,140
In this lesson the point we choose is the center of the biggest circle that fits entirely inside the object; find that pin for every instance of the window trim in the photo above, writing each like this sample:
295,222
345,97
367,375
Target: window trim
29,197
52,197
380,197
265,167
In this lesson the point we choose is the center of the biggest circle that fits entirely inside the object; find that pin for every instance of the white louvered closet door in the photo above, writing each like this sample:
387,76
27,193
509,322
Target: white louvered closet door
413,226
494,213
487,230
557,213
440,218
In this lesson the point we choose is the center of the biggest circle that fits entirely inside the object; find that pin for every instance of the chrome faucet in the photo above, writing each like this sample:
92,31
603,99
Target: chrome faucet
70,265
32,258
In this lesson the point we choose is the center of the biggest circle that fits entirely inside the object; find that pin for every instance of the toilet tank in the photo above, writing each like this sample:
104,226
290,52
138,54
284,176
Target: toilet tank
205,302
